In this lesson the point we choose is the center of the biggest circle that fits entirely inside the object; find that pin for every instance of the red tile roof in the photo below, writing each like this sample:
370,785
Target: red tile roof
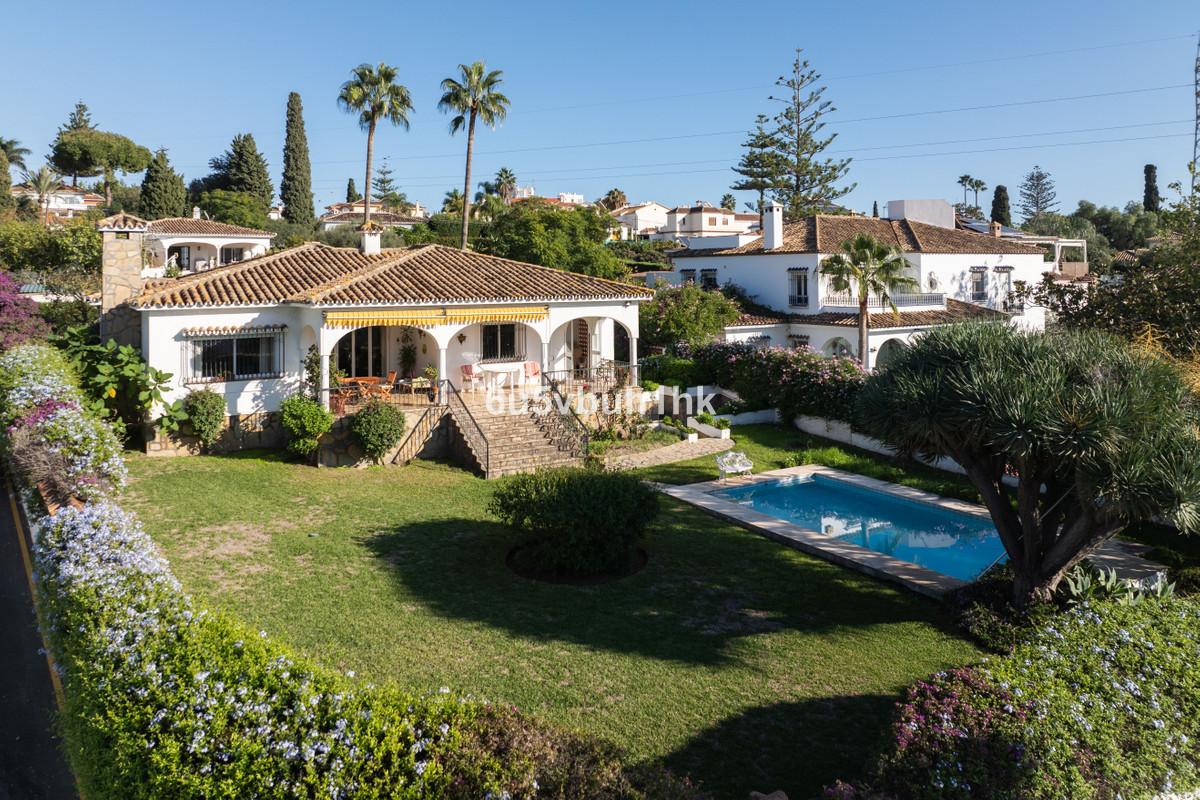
190,226
825,233
318,274
382,217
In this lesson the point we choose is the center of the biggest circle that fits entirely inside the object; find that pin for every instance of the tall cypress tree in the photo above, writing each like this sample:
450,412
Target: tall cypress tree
163,194
875,209
1000,210
352,193
7,201
1151,199
295,189
241,168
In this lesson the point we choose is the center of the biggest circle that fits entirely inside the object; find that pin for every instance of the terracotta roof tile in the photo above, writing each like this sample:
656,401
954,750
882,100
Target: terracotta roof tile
427,274
190,226
824,233
383,217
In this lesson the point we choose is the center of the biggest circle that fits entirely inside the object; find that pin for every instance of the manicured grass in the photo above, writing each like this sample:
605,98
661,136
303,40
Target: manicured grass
744,663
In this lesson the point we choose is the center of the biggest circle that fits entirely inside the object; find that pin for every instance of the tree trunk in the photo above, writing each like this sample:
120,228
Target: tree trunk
367,187
467,181
1032,588
864,326
107,190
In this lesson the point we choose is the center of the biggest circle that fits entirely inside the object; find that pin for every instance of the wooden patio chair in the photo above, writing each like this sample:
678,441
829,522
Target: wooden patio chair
384,388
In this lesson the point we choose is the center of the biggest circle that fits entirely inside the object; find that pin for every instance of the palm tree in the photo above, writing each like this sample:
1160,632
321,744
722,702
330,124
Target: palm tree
965,182
869,268
14,152
506,183
978,186
375,96
474,96
452,203
614,199
728,202
44,182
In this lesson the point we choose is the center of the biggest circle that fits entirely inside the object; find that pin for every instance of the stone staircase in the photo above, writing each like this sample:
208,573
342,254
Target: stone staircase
508,443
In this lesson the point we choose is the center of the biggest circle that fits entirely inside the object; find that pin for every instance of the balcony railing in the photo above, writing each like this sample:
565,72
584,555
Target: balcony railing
798,300
901,300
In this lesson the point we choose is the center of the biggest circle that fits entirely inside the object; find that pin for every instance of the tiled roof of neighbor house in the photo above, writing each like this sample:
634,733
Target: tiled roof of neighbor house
382,217
122,222
429,274
955,311
824,233
190,226
84,194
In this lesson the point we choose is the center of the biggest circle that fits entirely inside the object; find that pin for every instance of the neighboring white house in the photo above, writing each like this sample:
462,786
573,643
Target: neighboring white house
961,276
703,220
1055,247
639,221
245,329
388,219
194,244
65,202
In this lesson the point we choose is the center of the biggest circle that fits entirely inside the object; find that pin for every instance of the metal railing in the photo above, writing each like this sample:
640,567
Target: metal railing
798,300
470,427
900,299
606,377
563,418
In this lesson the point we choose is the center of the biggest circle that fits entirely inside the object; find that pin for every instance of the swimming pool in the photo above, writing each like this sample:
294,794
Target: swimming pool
951,542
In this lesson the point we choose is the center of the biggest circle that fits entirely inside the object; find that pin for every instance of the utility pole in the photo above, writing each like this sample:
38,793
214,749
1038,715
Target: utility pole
1196,133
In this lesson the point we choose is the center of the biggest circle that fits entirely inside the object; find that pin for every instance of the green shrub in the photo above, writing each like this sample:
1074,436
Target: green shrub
706,418
377,427
578,521
1187,580
206,411
306,421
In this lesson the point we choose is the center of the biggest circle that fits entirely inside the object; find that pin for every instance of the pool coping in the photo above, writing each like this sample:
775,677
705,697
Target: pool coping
878,565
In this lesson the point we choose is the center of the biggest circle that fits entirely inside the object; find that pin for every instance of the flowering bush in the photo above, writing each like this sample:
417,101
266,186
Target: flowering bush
796,381
51,437
1102,702
165,700
19,318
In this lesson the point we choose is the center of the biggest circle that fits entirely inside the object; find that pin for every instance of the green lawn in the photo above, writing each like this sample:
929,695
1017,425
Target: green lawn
744,663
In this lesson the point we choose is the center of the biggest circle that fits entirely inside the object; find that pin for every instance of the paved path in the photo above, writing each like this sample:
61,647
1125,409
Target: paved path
32,766
683,451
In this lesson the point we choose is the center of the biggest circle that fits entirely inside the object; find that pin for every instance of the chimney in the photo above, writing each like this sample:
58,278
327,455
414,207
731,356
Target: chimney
369,244
994,227
195,212
773,226
121,277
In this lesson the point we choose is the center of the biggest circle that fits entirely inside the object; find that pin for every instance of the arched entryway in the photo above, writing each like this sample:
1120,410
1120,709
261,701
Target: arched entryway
838,347
889,351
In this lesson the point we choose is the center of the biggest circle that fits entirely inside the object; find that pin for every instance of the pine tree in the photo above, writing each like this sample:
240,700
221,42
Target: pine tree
352,195
7,201
242,169
80,119
1037,194
295,188
163,194
1000,210
1151,199
762,167
811,181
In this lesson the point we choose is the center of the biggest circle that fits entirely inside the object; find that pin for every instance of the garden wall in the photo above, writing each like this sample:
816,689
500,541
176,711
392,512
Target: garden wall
842,432
261,430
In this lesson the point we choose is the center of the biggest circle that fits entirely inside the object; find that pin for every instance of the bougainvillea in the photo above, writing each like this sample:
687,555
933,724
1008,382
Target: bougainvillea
19,318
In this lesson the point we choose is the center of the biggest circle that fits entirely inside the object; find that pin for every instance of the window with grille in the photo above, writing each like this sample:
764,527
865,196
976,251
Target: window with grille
708,278
687,275
252,356
503,342
798,287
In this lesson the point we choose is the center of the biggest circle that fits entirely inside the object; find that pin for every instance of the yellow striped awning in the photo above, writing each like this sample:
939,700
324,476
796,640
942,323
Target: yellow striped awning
429,317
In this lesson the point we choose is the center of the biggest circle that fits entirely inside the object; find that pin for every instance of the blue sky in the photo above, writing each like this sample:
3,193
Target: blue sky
586,78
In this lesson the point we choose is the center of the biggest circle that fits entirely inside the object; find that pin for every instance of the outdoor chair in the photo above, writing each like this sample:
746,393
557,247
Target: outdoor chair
734,464
472,376
533,373
384,387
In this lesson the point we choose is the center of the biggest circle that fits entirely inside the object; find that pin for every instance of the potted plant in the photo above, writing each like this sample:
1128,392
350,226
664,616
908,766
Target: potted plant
431,375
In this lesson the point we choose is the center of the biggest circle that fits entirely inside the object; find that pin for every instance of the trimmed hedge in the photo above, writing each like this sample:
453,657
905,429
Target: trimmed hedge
167,700
578,521
1103,701
205,410
306,421
377,427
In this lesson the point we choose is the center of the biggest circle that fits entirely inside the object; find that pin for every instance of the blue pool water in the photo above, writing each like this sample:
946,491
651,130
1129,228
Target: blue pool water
952,543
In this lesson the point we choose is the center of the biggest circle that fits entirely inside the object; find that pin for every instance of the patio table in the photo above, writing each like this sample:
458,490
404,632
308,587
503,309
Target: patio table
497,373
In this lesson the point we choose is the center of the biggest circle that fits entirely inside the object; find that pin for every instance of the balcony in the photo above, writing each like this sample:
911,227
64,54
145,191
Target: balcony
900,299
1073,269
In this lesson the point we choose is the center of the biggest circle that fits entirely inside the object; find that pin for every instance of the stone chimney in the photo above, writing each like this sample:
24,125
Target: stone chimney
773,226
994,228
121,277
372,234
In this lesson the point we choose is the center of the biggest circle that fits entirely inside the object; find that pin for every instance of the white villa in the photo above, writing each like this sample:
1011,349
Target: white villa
244,329
340,215
65,202
639,221
962,276
702,220
194,244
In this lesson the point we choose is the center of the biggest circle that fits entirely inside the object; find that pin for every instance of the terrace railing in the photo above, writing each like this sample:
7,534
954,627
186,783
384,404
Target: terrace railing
606,377
560,421
901,299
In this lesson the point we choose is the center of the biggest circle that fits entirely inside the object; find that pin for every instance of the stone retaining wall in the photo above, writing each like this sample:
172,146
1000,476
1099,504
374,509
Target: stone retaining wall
260,430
